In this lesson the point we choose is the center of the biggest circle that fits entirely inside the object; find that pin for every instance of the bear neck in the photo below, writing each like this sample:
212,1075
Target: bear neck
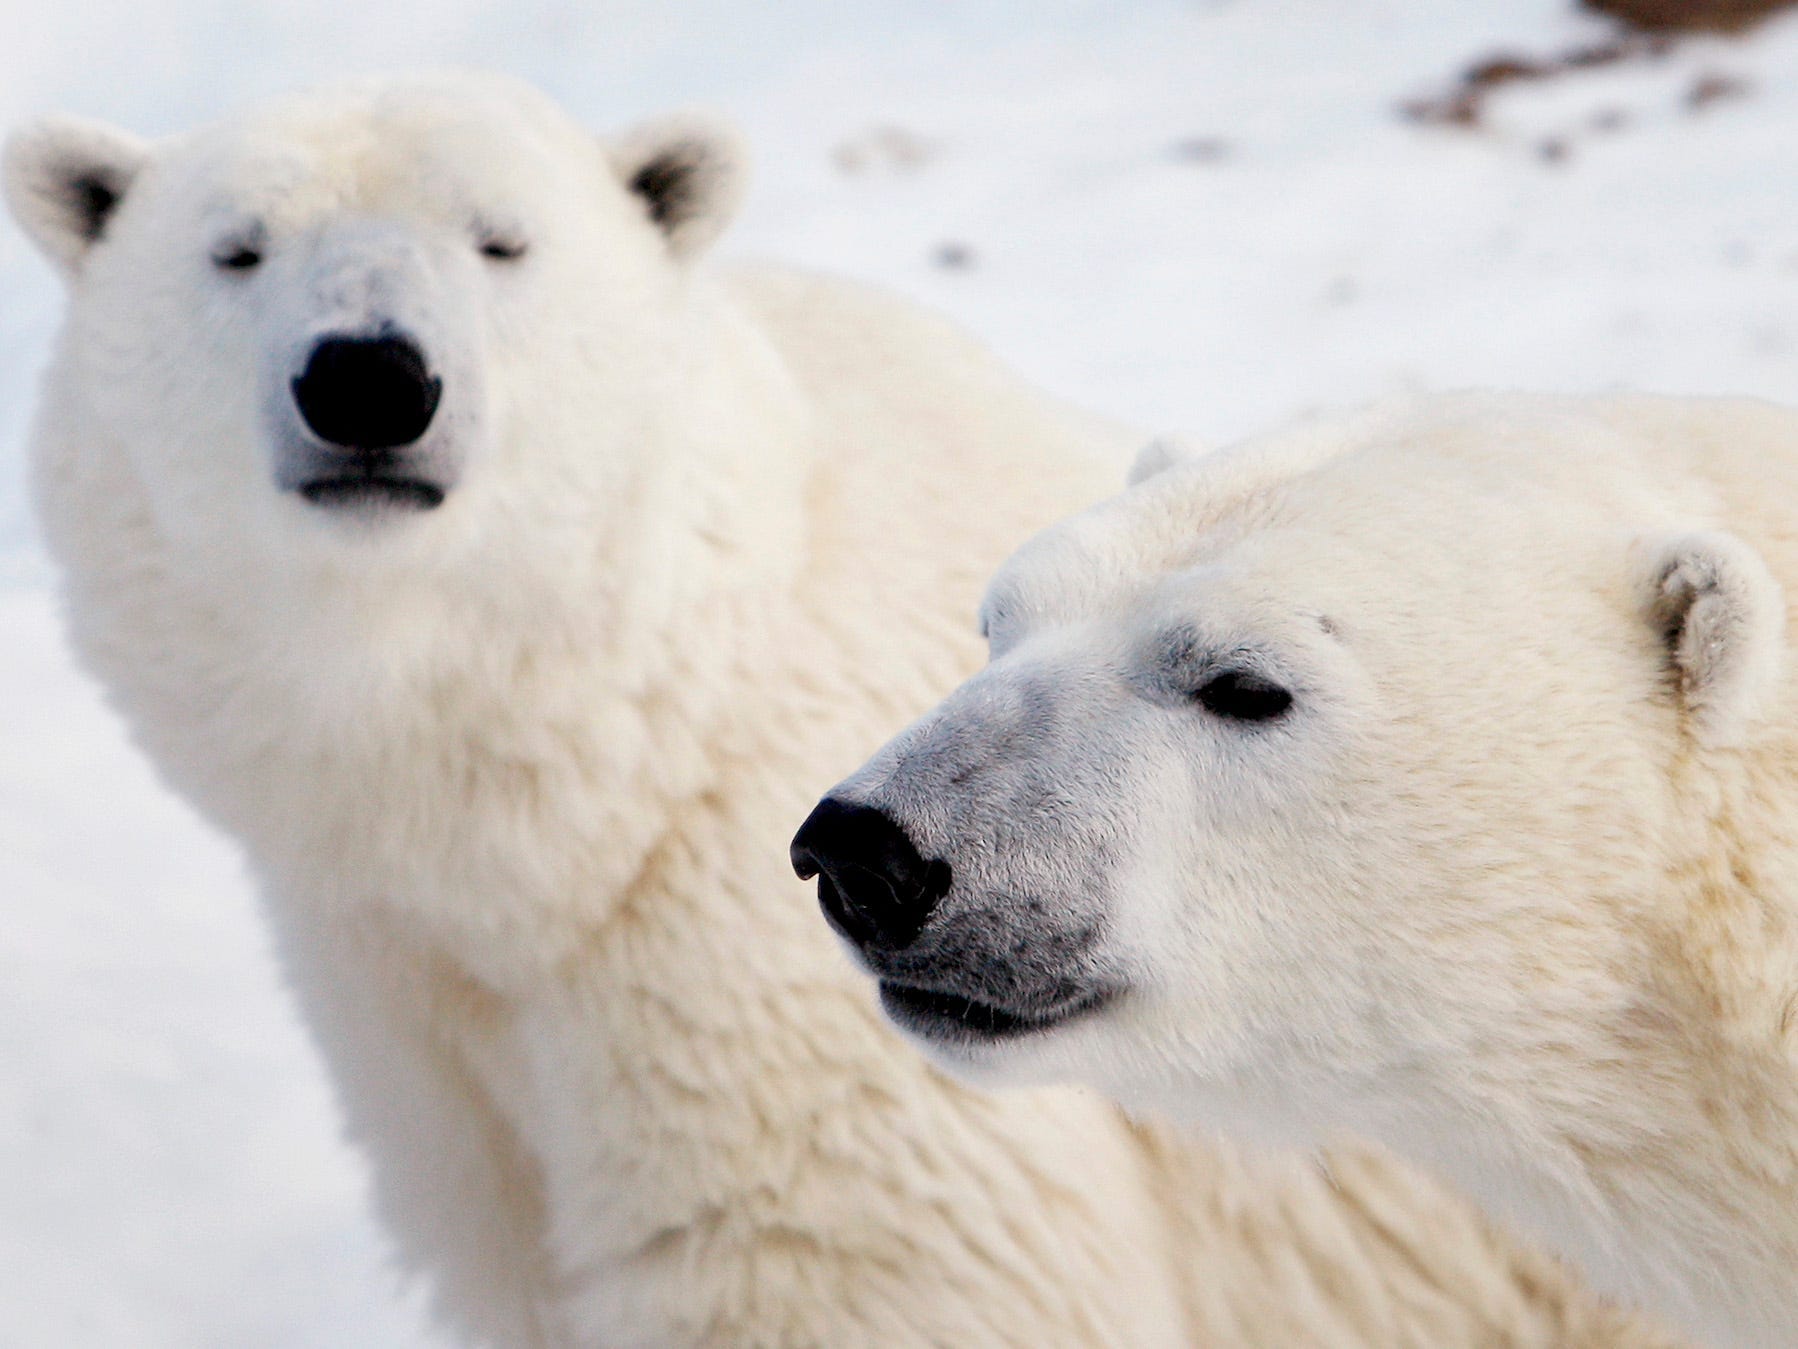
1658,1149
409,700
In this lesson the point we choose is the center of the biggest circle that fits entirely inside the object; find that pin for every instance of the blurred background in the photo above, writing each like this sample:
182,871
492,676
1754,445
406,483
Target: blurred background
1206,215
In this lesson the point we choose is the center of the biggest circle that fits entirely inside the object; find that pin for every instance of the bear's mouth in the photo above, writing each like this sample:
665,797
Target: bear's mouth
378,491
938,1015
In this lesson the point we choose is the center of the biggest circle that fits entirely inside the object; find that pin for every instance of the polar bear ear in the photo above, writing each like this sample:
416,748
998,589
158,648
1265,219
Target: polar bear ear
690,172
1161,453
64,177
1722,617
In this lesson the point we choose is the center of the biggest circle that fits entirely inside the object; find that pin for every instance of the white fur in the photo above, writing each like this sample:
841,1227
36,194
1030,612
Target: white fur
1511,887
517,775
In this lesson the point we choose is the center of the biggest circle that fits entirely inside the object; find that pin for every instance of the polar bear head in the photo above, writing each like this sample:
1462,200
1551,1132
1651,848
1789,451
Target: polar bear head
1331,775
342,323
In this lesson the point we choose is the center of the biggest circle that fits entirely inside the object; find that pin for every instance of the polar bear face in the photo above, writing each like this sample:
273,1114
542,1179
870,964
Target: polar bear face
1310,779
331,329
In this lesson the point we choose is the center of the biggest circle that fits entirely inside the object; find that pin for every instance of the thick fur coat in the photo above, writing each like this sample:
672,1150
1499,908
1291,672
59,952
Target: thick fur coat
514,722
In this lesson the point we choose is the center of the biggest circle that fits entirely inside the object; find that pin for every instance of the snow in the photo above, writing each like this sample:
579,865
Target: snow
1198,215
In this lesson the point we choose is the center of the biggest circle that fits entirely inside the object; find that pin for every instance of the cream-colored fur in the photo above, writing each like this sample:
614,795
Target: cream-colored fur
517,774
1510,886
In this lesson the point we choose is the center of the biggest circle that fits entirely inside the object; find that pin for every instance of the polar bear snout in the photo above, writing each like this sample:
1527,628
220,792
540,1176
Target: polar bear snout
367,393
930,864
367,402
874,887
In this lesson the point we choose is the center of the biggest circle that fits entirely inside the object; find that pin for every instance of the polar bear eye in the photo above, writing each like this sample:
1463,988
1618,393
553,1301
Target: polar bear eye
502,248
1242,696
237,258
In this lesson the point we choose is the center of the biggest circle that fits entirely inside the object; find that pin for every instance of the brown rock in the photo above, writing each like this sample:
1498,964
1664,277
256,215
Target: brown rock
1672,16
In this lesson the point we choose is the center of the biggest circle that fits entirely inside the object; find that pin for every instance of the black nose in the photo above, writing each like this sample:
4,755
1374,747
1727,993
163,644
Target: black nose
367,393
873,885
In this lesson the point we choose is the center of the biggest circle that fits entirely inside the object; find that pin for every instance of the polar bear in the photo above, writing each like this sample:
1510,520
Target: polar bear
1428,775
505,579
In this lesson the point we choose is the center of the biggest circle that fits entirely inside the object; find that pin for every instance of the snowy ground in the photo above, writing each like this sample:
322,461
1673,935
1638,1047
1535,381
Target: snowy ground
1198,215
